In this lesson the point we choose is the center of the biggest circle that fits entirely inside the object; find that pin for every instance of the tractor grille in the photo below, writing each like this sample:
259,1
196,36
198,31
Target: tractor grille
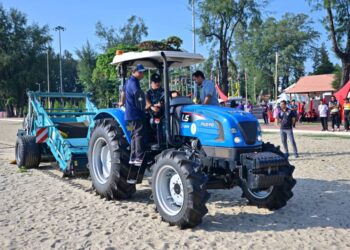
249,131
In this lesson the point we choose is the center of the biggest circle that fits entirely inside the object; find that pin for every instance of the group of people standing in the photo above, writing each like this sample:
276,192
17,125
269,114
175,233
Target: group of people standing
332,110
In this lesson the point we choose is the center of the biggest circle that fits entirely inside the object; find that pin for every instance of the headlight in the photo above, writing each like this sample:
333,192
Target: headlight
259,138
233,130
237,140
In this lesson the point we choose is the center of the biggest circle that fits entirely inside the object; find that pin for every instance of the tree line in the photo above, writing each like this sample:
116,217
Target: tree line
242,42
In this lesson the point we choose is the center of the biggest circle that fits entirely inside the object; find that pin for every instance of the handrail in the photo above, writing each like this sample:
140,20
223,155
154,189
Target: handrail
59,95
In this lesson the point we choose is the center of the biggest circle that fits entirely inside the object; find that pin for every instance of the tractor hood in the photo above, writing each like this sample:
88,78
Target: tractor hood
220,126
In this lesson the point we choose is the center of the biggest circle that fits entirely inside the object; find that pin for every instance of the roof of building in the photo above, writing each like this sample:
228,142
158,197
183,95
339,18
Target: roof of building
311,84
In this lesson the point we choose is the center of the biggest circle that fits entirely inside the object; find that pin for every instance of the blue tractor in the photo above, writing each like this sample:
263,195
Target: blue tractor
199,148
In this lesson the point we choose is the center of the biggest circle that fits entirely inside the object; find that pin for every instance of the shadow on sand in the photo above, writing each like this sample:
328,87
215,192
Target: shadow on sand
316,203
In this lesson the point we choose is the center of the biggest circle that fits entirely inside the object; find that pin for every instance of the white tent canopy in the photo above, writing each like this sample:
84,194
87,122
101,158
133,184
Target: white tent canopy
296,97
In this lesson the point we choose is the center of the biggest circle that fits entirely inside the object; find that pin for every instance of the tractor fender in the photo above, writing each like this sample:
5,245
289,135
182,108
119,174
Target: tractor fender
117,115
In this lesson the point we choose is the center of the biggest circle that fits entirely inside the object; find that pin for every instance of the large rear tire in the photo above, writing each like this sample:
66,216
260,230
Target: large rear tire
178,188
108,161
274,197
27,152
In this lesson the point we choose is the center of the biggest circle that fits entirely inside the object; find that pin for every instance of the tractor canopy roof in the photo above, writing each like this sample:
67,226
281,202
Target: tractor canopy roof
152,59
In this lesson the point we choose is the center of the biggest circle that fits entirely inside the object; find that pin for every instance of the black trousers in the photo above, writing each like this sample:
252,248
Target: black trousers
137,139
335,120
347,120
265,117
324,122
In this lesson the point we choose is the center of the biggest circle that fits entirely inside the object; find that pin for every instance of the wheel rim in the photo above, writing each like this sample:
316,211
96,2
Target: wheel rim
262,193
101,160
169,190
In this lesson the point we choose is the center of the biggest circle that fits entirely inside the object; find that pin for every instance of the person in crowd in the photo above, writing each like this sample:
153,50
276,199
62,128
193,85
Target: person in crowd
241,106
276,111
264,111
294,108
208,95
233,104
323,112
248,107
286,117
302,113
347,114
134,114
334,110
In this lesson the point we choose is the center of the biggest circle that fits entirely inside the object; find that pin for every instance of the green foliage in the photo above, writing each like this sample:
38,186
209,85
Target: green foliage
22,169
219,21
21,54
56,104
322,64
23,58
87,63
291,37
131,33
336,84
337,23
172,43
68,105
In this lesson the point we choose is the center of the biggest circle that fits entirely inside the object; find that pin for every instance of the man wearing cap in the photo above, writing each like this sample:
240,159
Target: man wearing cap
346,114
134,114
154,94
208,93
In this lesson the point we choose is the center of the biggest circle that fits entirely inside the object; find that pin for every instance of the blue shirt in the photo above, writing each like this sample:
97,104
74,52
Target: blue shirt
134,100
208,88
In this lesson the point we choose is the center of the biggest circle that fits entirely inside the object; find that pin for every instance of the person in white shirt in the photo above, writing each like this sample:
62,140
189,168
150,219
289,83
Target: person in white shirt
323,111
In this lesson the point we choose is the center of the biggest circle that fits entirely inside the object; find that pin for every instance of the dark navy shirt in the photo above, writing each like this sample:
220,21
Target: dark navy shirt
134,100
286,118
154,95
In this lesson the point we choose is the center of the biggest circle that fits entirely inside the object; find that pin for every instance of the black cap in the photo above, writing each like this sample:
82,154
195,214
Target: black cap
155,77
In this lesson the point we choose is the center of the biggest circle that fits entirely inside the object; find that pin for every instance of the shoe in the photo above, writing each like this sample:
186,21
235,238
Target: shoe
296,156
131,161
137,162
332,130
338,129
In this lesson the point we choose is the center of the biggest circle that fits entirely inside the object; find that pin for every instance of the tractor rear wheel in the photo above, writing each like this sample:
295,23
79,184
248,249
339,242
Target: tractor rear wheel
274,197
27,152
108,161
178,188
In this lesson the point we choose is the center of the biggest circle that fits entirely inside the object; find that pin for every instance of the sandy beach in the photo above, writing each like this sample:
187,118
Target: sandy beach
41,210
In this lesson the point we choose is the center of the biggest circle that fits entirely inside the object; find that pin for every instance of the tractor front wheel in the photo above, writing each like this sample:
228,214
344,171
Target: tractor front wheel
178,188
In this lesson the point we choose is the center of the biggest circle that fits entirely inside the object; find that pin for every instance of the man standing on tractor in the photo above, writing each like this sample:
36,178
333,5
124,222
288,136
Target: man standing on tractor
208,95
134,114
286,118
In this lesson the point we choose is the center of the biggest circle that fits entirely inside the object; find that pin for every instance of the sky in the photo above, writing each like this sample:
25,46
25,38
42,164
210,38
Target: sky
164,18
